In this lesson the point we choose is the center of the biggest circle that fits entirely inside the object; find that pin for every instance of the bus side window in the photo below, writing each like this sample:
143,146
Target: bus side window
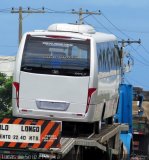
99,50
117,57
108,60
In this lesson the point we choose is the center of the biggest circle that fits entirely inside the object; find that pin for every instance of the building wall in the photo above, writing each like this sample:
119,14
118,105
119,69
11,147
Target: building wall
7,65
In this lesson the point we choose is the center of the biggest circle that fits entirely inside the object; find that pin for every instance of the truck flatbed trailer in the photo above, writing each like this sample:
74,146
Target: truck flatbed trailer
107,141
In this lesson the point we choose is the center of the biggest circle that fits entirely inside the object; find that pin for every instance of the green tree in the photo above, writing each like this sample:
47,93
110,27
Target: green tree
5,95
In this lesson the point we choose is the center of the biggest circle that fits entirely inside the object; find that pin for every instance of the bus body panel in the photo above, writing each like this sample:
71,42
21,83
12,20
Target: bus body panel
41,88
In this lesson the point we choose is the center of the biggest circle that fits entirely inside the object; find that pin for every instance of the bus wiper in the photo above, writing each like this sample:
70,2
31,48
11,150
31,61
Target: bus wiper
86,69
27,68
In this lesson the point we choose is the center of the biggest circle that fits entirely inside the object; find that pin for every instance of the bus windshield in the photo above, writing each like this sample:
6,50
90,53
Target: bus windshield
45,55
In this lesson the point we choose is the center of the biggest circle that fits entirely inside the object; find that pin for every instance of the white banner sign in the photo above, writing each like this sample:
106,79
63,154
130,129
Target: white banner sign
20,133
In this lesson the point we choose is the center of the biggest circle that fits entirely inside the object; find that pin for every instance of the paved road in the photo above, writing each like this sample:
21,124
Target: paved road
145,105
146,108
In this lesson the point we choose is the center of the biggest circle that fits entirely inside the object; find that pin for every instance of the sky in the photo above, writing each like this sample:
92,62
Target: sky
127,19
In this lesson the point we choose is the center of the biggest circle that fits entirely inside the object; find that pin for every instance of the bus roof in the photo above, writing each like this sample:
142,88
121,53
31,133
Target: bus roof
75,30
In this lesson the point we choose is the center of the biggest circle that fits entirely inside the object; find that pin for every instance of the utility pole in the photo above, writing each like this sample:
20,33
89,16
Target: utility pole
123,42
81,13
20,11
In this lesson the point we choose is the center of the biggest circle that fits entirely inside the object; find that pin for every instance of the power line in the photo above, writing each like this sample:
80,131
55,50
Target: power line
123,42
48,10
138,53
145,49
6,10
20,11
55,11
141,62
80,13
103,26
125,35
130,31
122,31
116,27
137,32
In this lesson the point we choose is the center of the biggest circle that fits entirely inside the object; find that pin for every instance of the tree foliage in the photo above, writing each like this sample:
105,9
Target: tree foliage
5,95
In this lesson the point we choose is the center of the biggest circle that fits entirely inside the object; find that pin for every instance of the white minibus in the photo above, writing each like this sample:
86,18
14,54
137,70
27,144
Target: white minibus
69,73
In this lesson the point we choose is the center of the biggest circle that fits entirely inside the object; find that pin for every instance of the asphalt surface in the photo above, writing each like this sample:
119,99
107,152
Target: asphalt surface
145,106
146,109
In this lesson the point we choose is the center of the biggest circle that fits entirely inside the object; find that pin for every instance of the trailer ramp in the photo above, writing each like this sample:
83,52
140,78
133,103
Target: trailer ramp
100,141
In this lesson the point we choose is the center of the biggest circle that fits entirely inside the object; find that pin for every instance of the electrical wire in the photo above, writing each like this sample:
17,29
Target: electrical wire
123,32
144,59
84,17
130,31
131,46
144,49
136,32
116,26
104,26
5,10
141,62
28,14
48,10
